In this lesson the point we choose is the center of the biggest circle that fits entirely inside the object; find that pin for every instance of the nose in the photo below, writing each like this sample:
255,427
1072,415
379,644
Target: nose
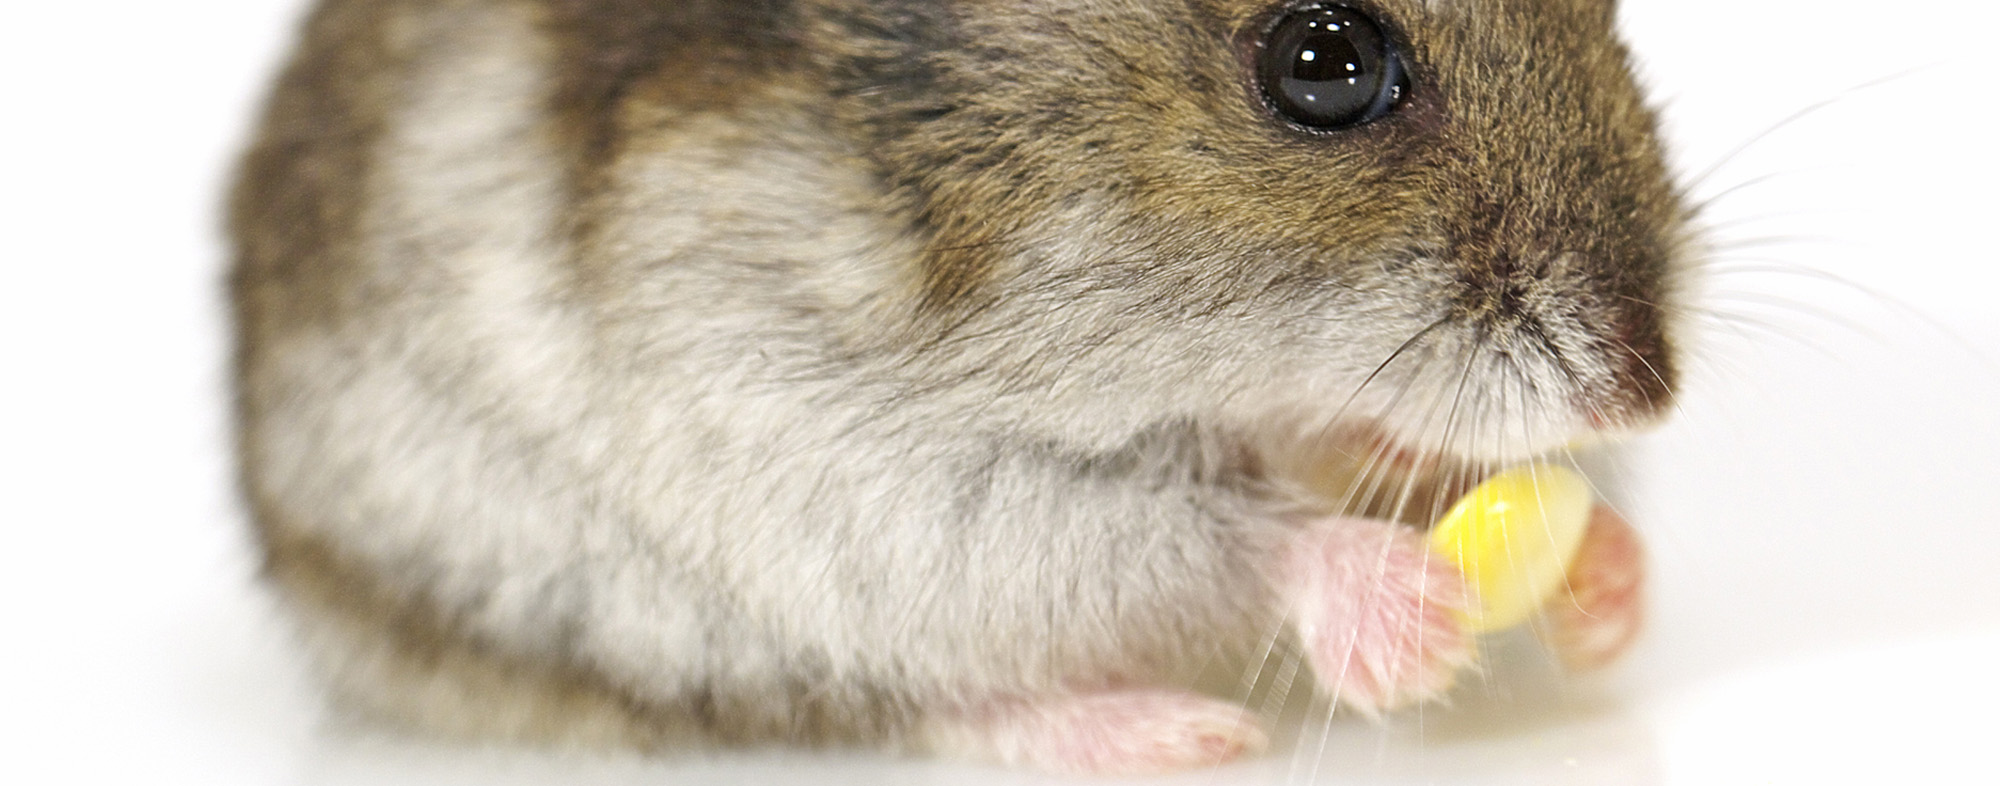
1644,372
1605,346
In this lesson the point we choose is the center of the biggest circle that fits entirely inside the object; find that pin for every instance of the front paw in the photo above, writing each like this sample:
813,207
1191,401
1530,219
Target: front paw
1595,620
1380,616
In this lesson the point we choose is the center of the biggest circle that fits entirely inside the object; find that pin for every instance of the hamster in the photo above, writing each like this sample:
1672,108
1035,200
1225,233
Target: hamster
939,376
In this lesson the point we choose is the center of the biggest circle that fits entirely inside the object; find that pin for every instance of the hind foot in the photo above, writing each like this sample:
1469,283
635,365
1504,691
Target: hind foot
1108,732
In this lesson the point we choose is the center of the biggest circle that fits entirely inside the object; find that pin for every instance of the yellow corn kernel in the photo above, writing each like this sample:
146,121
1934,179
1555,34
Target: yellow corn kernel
1513,537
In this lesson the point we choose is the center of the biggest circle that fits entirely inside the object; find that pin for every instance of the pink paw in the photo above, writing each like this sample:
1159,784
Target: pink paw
1111,732
1378,613
1595,621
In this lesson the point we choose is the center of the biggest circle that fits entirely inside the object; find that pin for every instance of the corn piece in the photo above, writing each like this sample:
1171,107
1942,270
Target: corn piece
1514,537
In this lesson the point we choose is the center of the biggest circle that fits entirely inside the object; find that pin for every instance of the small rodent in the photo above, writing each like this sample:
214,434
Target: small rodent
936,375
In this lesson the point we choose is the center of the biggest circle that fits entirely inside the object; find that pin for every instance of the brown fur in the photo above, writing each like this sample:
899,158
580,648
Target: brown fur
621,61
298,200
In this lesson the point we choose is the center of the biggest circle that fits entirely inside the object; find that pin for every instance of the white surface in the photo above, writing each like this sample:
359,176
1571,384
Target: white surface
1821,515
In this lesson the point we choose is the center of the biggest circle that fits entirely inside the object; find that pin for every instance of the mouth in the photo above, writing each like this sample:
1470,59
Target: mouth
1363,470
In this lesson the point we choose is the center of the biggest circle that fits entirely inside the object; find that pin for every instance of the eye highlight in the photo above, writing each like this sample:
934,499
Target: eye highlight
1329,66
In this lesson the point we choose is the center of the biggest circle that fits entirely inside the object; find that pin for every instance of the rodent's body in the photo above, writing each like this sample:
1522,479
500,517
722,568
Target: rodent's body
647,372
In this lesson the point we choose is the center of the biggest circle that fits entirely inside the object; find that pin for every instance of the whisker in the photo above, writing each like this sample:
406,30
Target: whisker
1373,465
1896,304
1405,347
1719,229
1802,307
1672,394
1809,110
1326,724
1737,322
1702,206
1724,245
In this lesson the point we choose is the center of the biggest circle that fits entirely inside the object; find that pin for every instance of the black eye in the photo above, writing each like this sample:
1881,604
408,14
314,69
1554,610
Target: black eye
1329,67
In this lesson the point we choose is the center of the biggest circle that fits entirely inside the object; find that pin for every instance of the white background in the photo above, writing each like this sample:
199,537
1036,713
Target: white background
1821,514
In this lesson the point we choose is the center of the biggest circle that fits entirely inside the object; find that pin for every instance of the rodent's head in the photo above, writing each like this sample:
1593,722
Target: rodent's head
1125,220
